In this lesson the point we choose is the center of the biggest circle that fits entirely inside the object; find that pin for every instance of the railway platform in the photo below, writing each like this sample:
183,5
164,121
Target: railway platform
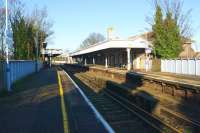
182,82
48,102
185,79
83,117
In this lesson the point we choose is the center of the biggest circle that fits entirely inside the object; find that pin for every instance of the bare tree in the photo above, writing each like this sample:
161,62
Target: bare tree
25,27
92,39
2,26
182,17
40,19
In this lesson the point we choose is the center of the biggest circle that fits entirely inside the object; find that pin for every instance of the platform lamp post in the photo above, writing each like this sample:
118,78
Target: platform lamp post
50,56
147,60
44,45
8,83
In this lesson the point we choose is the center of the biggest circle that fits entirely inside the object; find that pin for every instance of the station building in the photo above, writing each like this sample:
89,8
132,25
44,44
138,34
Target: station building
132,53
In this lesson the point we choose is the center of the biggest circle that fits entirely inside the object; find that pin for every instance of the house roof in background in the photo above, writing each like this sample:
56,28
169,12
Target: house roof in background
148,36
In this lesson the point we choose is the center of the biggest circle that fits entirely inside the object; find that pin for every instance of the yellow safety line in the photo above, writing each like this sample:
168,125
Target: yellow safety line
63,108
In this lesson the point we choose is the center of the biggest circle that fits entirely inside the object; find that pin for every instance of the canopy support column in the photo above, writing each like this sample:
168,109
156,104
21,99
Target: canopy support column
106,61
128,59
85,62
93,60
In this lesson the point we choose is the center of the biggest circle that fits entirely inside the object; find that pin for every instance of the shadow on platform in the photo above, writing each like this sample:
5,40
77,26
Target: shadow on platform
35,108
145,100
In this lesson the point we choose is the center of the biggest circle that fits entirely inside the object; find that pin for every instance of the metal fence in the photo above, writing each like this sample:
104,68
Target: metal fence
181,66
2,75
18,70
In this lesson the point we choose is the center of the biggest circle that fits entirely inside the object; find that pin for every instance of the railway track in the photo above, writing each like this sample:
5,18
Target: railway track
175,119
121,115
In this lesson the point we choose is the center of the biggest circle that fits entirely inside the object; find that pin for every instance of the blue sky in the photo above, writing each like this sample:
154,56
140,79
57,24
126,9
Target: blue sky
74,20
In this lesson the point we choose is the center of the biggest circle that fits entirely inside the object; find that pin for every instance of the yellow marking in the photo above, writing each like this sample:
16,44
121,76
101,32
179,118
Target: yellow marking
64,113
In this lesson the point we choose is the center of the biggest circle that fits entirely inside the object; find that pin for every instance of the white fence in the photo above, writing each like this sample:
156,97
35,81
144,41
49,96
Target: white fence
17,70
181,66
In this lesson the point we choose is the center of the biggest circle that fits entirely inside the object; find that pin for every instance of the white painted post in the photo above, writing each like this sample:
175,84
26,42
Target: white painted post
106,62
146,65
188,67
8,82
85,61
164,65
175,65
196,67
181,66
128,59
72,60
82,60
171,65
50,61
163,69
93,61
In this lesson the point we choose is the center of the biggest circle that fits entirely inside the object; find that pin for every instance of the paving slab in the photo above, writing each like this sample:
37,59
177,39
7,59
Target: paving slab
82,119
36,109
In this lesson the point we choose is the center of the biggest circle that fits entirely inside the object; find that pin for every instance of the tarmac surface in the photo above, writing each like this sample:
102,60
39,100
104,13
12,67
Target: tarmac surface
37,107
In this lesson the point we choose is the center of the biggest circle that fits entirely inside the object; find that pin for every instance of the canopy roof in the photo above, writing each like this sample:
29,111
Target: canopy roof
52,52
137,43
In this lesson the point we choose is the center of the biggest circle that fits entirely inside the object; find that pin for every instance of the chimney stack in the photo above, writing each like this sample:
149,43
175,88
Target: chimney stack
110,34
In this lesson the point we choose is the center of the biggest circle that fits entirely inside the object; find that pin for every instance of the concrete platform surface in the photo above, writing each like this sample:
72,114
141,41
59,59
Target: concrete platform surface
82,118
178,78
185,79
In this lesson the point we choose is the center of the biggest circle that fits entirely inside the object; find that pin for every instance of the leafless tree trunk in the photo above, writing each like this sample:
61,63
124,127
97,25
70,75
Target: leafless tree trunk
2,24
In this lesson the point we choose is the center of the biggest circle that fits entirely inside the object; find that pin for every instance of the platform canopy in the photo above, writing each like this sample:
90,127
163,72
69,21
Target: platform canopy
52,52
110,44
